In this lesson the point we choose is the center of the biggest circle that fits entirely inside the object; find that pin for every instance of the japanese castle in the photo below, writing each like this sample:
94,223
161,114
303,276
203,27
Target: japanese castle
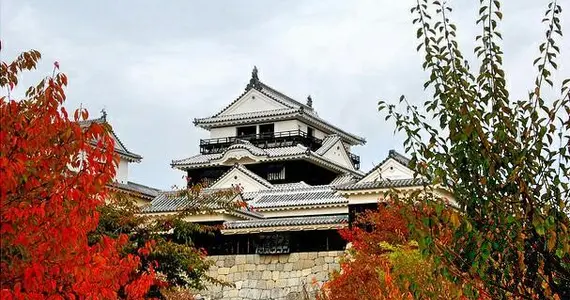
295,170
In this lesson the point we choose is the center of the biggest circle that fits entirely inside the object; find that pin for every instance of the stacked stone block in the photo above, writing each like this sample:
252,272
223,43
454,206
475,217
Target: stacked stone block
275,277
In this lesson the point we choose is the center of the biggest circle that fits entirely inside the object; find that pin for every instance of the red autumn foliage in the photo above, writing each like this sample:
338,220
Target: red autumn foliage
53,176
359,277
383,225
384,263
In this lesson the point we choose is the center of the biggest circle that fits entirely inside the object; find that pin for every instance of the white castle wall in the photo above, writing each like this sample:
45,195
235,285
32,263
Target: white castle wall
122,174
276,277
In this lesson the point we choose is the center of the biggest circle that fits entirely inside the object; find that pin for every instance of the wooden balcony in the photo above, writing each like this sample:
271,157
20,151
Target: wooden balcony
262,140
269,140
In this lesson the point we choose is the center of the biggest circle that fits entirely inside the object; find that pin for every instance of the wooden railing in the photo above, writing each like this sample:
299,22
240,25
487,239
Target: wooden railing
259,136
268,140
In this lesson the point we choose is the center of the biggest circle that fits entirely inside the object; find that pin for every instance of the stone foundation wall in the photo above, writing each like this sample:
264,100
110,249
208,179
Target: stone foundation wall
275,277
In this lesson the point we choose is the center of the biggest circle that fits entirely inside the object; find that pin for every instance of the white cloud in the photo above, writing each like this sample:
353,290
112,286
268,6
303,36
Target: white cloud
162,65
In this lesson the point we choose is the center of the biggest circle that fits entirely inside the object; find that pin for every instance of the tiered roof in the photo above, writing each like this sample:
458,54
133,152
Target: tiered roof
291,109
325,202
136,189
294,195
382,184
209,200
266,155
286,224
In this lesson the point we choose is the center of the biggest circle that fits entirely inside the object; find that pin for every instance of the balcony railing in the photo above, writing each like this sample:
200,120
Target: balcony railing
269,140
262,140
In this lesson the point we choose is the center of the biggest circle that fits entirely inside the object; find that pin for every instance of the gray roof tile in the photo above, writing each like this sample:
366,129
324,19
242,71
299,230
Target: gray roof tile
301,196
173,201
380,184
328,142
294,221
344,179
143,190
270,153
247,115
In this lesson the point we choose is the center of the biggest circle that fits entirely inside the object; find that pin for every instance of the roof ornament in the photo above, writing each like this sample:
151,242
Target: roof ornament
254,81
104,115
309,101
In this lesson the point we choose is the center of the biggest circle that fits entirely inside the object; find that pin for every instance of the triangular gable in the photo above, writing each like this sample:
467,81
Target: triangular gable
337,153
239,175
118,144
393,167
252,101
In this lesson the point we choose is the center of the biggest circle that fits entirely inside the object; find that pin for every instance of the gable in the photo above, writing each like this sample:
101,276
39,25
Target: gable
252,101
118,145
248,181
390,169
337,153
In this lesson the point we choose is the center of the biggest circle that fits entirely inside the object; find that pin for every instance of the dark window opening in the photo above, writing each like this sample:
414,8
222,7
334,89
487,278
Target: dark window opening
246,131
267,129
355,210
269,243
310,132
276,172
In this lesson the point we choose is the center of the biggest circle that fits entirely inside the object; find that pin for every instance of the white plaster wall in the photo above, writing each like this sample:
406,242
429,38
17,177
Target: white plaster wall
221,132
296,124
253,101
391,169
122,174
237,177
337,153
365,198
286,125
230,131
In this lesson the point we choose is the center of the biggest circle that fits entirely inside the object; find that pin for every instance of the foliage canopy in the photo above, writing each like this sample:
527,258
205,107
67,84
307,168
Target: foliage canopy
505,161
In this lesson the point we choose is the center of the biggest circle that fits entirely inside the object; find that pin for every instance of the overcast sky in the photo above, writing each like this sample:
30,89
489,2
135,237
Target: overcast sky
156,65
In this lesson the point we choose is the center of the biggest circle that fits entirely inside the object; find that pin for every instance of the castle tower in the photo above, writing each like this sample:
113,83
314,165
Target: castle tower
274,136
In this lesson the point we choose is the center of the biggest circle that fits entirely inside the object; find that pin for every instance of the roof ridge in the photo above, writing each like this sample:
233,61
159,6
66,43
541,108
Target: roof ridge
227,106
142,185
295,218
384,183
295,102
256,84
391,154
326,123
327,143
103,120
296,190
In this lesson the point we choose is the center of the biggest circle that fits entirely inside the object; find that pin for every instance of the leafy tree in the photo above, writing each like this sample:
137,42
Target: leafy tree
383,263
174,254
504,161
53,176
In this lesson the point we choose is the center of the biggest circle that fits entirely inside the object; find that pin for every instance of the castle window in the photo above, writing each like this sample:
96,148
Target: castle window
267,129
246,131
276,173
310,132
